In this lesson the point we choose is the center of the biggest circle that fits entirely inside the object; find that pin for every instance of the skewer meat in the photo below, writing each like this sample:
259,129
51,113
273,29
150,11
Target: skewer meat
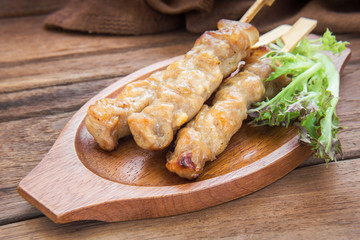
208,134
191,82
106,120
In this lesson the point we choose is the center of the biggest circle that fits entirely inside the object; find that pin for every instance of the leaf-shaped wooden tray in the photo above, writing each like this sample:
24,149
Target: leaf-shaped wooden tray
76,180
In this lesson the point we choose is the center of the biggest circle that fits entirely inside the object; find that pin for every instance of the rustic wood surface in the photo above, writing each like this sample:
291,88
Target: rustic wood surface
46,76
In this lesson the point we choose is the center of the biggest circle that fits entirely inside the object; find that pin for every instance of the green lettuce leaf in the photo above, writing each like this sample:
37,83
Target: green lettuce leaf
309,101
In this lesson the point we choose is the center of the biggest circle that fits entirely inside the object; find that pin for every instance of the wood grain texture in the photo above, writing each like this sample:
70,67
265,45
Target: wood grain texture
48,100
13,208
82,68
23,144
46,58
309,203
25,40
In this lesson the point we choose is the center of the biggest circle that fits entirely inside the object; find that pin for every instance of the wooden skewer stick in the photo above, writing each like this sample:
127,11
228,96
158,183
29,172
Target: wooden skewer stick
254,9
298,31
272,35
290,35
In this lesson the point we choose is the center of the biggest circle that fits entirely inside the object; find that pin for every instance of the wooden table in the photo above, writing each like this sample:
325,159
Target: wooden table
45,76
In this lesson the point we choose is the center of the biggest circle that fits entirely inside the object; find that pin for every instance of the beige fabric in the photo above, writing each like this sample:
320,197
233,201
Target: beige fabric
112,17
151,16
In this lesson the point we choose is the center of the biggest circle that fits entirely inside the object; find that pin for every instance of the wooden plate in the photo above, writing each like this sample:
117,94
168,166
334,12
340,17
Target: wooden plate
78,181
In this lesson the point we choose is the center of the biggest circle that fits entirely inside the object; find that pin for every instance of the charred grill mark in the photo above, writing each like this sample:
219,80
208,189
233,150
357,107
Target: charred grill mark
184,161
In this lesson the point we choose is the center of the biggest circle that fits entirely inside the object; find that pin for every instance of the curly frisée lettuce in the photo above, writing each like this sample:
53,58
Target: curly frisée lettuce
309,101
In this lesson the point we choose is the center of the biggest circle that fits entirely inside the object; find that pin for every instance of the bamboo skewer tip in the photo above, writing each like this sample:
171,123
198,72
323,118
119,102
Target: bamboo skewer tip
301,28
254,9
290,35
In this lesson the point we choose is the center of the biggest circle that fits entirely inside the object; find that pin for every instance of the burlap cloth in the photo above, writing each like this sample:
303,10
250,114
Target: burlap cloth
152,16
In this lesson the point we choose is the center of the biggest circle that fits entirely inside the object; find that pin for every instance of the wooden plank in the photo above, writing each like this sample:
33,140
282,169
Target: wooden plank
25,39
82,68
17,8
23,144
33,57
12,202
348,110
309,203
49,100
349,88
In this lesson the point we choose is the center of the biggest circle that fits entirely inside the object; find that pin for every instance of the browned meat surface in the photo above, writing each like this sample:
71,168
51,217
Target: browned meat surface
180,97
208,134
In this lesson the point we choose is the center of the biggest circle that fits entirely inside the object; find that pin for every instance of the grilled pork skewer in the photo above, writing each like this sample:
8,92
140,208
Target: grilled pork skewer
209,133
214,56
